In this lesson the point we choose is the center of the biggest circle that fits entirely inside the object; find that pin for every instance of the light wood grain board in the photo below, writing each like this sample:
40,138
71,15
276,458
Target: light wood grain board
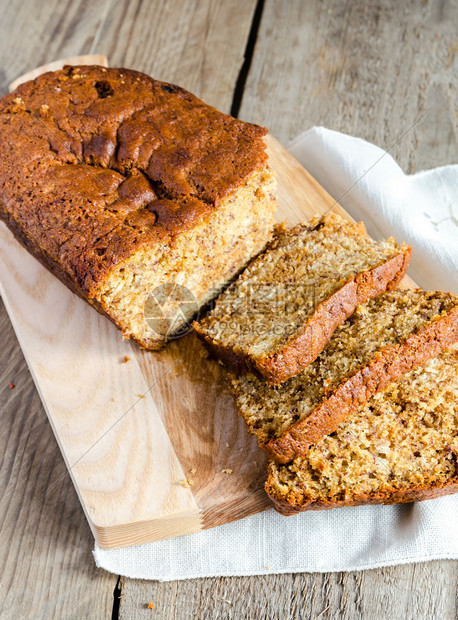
132,433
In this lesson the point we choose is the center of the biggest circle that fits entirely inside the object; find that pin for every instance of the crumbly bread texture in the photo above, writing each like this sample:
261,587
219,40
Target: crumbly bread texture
280,312
399,447
383,340
120,184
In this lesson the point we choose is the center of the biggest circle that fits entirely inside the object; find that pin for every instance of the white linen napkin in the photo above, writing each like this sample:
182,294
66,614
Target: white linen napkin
423,210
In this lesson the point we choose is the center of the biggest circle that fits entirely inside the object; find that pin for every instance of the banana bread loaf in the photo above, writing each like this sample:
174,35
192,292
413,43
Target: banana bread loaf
401,446
280,312
384,339
124,186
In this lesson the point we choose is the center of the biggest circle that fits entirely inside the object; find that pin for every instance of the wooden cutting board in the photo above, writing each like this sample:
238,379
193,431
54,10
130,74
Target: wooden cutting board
154,445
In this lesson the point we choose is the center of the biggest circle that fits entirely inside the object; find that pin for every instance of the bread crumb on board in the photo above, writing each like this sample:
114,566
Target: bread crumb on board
187,483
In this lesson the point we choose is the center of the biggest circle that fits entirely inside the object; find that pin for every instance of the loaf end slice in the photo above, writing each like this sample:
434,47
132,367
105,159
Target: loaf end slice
401,446
383,340
277,316
141,198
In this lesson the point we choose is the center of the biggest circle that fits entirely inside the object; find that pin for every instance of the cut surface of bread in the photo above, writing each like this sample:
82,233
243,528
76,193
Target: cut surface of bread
401,446
384,339
280,312
122,185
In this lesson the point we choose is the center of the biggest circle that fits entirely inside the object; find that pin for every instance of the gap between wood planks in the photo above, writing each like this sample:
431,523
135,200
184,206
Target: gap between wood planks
235,108
247,58
116,599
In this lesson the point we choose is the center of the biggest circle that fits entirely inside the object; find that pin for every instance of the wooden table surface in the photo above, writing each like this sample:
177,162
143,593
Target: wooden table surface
365,68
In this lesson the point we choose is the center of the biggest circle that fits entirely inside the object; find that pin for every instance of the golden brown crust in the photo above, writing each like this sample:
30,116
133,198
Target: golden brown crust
98,163
293,503
390,364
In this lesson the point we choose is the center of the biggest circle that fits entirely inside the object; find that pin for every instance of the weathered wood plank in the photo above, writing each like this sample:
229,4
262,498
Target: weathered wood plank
46,564
199,45
369,69
35,33
399,592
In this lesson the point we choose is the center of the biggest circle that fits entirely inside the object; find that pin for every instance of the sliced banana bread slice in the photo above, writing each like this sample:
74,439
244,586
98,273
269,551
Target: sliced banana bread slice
278,315
399,447
383,340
